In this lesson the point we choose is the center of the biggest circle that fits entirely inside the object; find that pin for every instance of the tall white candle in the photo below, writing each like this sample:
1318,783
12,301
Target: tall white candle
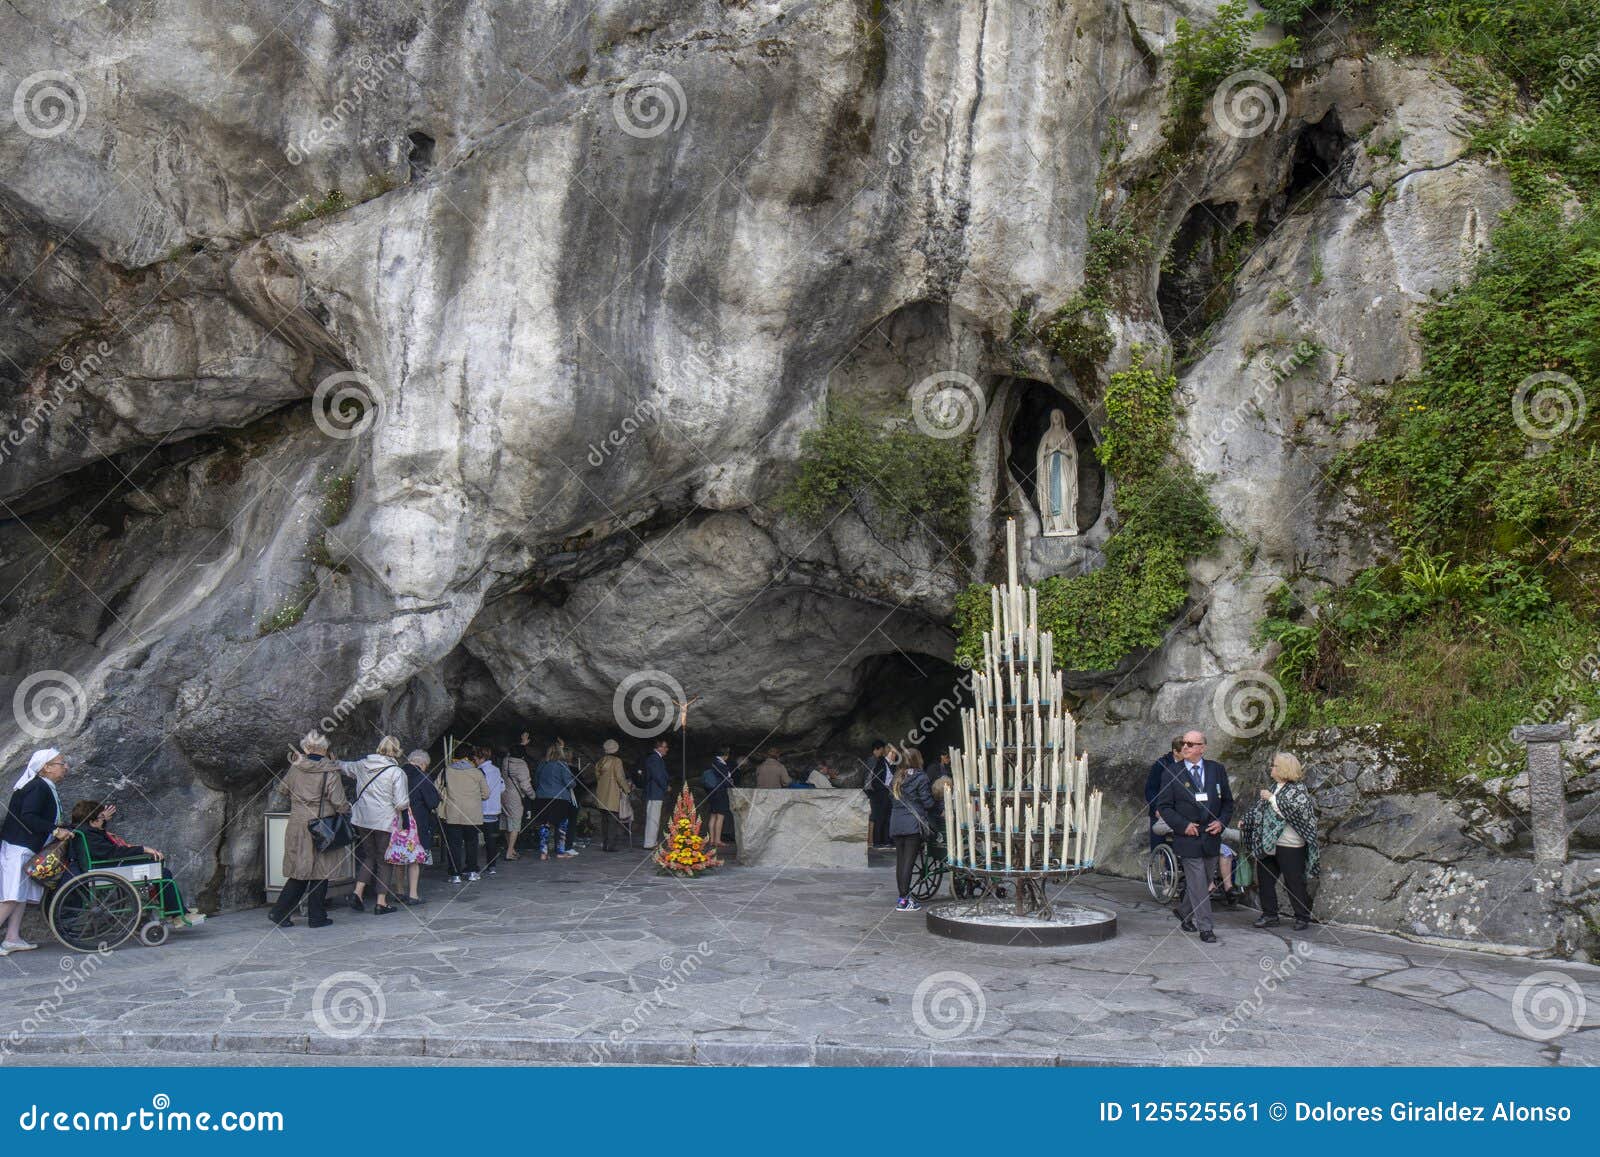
1027,842
1009,833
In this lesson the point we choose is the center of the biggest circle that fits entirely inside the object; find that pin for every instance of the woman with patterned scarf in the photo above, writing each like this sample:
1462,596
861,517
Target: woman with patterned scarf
1280,833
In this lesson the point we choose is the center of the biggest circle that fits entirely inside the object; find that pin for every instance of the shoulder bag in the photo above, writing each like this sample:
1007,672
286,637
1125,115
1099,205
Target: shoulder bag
332,831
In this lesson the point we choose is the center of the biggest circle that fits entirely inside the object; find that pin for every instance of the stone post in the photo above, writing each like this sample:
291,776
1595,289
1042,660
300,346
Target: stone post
1547,790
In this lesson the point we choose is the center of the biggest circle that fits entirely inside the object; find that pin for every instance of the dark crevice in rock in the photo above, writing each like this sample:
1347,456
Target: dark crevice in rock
1197,273
420,157
1322,159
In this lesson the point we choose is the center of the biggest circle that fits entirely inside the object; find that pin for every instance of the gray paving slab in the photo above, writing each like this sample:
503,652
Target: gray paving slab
600,960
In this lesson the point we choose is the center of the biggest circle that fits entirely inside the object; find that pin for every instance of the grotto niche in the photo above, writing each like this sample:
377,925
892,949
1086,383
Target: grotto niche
1031,428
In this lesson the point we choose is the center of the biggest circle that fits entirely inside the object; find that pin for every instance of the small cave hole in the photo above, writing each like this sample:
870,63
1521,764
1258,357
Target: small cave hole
420,157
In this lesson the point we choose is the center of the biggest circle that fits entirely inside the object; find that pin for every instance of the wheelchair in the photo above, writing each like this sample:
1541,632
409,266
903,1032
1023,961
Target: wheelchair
932,865
1163,874
100,904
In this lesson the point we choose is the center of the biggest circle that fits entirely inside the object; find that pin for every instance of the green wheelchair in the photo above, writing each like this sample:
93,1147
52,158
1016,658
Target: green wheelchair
99,904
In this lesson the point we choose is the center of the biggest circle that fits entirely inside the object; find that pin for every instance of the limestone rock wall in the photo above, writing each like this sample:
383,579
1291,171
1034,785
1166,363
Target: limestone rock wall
594,269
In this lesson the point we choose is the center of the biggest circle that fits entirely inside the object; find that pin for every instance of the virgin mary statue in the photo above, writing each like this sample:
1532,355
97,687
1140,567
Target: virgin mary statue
1057,479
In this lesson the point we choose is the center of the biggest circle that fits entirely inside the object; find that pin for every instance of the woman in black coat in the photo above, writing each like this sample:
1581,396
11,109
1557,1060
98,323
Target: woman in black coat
32,818
424,796
909,824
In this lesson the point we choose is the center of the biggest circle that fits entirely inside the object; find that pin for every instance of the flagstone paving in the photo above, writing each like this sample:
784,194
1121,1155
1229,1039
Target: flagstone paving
599,959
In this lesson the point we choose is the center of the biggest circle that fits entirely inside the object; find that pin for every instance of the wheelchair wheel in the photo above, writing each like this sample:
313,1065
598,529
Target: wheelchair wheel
968,887
95,911
154,934
1161,874
927,874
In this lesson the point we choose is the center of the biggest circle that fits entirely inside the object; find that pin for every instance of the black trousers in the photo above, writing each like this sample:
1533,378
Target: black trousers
905,858
1288,865
461,841
371,868
882,804
610,830
316,894
491,841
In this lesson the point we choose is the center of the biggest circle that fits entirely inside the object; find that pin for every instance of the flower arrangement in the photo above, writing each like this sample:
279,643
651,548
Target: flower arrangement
681,851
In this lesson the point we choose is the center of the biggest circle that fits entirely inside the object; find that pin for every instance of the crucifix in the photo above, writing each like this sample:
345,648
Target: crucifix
683,729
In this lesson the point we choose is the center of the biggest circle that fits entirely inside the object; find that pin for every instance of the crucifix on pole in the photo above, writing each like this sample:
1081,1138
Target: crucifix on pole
683,732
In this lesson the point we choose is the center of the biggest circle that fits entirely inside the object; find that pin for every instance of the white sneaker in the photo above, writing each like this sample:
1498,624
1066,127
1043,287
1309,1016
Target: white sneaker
472,876
18,946
455,879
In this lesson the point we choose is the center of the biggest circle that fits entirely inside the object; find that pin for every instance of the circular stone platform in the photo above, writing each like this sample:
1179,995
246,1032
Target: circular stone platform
996,922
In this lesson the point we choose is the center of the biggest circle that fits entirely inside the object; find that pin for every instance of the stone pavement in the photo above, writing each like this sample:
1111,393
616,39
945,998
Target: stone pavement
598,958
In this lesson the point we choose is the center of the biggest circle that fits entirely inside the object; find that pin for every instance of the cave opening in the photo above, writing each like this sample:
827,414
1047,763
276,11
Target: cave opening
1197,273
420,156
1035,401
907,698
1320,154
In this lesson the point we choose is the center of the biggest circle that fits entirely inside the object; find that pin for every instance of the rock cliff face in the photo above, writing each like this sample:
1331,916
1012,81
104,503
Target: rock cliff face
411,366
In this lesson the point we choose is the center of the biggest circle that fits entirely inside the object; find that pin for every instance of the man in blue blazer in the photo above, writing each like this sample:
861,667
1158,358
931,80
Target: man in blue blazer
1197,804
657,782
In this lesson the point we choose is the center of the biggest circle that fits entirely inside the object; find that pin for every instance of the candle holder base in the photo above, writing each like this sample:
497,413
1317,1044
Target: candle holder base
986,921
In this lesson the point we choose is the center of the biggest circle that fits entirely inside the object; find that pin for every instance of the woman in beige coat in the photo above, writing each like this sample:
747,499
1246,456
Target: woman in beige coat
462,790
315,790
611,785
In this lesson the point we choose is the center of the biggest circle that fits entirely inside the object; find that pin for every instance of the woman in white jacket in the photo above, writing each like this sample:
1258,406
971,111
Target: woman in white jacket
379,796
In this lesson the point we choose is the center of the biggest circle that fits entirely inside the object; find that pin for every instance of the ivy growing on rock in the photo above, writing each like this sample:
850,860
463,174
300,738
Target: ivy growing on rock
1485,465
897,479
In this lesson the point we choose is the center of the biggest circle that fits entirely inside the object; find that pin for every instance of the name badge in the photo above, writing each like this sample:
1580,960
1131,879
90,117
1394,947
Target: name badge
1202,797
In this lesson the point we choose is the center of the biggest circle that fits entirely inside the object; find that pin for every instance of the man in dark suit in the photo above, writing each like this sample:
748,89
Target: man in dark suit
1197,804
1159,770
657,782
879,775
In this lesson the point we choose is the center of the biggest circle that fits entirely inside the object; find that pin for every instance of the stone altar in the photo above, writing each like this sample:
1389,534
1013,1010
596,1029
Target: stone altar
793,828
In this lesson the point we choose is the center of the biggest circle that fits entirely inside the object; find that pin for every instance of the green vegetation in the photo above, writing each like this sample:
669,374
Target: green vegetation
1486,463
1205,55
897,479
1165,517
338,492
309,209
289,611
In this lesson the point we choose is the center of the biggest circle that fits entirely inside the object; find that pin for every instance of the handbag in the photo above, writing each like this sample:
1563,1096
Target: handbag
405,847
48,864
331,831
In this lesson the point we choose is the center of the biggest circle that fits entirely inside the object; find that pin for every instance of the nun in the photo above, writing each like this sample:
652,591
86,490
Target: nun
32,818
